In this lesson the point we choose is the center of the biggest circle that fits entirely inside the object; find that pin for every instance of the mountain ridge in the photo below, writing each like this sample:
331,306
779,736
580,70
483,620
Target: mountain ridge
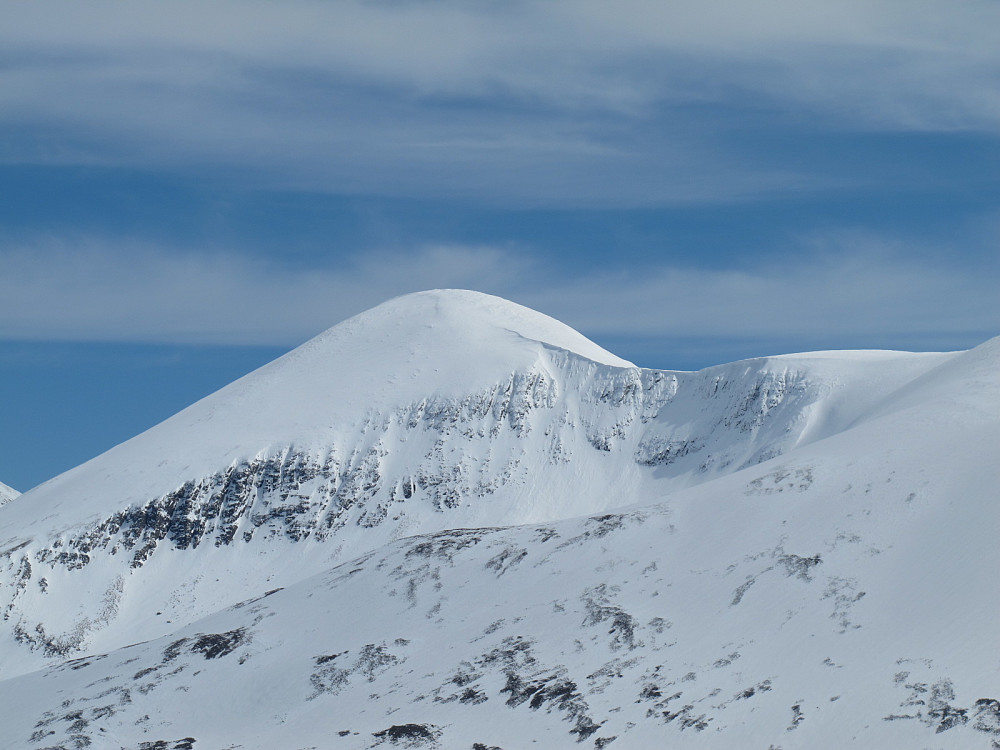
548,434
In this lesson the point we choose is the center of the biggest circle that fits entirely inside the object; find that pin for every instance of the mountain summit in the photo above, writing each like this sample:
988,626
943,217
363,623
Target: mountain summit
7,493
451,521
460,321
426,346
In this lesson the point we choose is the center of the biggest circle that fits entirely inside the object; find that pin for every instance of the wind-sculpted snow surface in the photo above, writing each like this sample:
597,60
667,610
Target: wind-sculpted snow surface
786,552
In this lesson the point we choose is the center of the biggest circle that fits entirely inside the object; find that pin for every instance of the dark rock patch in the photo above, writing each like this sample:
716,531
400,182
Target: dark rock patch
216,645
409,735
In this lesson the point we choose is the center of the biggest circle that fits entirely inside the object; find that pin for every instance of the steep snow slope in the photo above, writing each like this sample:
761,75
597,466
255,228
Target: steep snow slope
7,493
439,410
840,595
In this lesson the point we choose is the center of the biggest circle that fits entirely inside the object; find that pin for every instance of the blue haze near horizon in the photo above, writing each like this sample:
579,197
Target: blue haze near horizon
181,202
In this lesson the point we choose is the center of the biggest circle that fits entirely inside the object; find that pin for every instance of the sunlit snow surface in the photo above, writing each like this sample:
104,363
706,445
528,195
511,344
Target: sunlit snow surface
453,522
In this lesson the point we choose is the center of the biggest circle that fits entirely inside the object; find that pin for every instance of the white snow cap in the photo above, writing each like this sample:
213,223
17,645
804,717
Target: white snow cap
7,493
464,312
441,343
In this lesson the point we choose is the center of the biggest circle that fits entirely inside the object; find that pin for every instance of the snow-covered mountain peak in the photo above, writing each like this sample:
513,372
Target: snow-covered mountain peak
436,347
7,493
434,410
454,317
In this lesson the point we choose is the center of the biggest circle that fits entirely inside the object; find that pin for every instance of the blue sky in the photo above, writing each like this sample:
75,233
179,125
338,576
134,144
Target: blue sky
191,190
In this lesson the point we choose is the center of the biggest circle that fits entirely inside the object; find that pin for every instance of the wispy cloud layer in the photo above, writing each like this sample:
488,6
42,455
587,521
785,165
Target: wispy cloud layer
92,291
569,103
121,293
524,102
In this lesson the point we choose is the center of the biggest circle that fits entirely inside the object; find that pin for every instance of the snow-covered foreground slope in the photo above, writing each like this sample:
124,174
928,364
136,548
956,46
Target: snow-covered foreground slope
792,552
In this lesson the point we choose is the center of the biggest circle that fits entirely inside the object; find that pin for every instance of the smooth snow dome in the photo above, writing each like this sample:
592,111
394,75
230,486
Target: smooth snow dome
413,347
464,312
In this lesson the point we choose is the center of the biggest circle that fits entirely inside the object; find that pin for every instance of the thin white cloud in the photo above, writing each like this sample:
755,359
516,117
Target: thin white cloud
855,288
534,101
131,292
562,51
